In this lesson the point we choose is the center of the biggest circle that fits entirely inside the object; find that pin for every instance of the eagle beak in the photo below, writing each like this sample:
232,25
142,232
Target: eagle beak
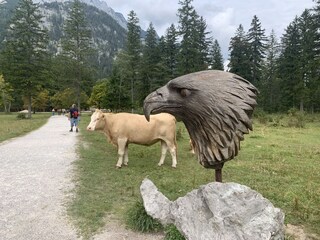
156,102
149,104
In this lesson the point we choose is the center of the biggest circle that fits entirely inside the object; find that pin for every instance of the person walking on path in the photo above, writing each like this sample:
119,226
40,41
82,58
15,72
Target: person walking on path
74,117
35,180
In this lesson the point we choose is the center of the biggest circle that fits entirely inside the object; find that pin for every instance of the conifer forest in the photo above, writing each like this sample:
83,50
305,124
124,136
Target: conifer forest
43,68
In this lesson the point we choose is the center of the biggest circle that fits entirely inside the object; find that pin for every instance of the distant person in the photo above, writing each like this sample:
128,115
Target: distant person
53,111
74,117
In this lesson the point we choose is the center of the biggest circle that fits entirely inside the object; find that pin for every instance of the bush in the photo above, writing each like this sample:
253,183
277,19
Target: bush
261,116
21,116
138,219
172,233
296,118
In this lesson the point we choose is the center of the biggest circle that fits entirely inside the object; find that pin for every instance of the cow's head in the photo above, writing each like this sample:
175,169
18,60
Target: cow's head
97,121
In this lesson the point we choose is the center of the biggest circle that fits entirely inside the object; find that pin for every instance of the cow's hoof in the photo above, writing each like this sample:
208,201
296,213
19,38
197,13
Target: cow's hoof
174,166
159,164
125,164
118,167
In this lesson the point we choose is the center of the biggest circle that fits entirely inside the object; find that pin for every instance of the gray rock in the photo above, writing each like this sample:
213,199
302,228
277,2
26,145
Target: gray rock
217,211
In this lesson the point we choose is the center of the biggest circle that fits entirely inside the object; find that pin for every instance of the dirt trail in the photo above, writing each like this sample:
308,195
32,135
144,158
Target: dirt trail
35,180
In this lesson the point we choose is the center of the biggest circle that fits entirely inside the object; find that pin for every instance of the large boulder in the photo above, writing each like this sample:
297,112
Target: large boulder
217,211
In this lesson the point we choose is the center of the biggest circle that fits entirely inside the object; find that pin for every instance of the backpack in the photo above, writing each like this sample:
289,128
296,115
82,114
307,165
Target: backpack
75,114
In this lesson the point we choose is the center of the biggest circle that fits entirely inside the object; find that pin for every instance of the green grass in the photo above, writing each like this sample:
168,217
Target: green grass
281,163
11,127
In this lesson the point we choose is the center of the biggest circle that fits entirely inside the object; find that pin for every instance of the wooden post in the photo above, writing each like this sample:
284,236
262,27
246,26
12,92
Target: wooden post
218,172
218,175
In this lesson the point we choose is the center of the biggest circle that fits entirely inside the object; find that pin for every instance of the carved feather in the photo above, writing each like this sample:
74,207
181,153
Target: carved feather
216,108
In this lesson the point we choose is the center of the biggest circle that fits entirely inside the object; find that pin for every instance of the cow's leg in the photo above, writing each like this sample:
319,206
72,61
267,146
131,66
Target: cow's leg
126,159
173,151
121,151
164,149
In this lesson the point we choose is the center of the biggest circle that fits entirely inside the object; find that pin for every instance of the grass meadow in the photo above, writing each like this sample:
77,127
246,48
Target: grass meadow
11,126
280,162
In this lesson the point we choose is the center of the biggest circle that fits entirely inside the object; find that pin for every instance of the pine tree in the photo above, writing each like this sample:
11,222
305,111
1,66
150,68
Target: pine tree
307,58
187,52
216,59
119,92
290,68
77,46
133,49
201,43
269,87
315,82
240,54
25,59
193,49
256,38
171,51
163,70
150,70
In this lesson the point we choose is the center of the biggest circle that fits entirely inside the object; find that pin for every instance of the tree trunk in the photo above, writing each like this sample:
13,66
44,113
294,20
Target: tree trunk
29,106
301,106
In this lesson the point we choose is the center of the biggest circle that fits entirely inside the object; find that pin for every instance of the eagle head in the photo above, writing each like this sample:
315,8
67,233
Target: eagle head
216,108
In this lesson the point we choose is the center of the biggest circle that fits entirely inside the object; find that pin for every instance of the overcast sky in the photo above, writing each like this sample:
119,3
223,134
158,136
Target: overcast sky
222,16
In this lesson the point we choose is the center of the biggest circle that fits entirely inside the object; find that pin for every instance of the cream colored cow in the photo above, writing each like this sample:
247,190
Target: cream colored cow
124,128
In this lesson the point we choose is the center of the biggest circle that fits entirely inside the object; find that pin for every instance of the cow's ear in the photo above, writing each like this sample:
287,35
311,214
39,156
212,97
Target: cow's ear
102,115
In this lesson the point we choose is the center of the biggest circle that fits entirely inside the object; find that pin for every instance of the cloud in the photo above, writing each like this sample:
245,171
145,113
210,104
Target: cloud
222,17
223,27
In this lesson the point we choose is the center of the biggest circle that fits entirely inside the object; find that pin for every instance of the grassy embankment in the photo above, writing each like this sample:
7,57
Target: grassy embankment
281,163
11,127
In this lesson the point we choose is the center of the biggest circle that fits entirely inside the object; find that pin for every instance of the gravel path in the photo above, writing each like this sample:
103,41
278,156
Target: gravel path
35,176
35,180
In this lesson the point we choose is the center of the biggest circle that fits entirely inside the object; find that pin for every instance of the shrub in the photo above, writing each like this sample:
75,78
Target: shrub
296,118
138,219
21,116
172,233
261,116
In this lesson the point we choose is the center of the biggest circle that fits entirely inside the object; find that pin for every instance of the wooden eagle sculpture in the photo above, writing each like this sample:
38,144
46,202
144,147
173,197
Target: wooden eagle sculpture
216,108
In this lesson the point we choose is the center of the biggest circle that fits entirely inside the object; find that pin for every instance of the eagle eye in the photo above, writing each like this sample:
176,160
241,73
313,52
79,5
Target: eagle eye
184,92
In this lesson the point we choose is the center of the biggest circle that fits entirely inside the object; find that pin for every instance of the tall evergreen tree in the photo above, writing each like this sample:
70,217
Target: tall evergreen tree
256,38
308,63
216,59
77,46
119,91
193,49
186,53
290,68
240,54
25,55
315,94
164,73
171,51
150,68
269,88
133,48
202,43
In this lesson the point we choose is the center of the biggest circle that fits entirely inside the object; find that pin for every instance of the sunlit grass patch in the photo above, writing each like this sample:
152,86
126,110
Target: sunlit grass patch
281,163
11,126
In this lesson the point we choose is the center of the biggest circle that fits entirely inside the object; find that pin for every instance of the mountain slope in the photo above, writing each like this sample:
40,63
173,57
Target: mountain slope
108,36
101,5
